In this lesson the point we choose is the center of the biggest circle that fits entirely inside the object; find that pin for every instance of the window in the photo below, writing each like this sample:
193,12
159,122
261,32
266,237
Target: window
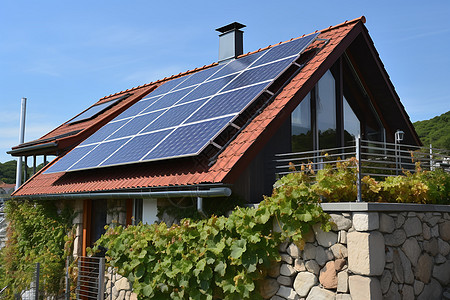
97,109
333,115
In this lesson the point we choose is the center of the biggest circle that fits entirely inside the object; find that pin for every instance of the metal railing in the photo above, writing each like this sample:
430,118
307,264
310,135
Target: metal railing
91,278
376,159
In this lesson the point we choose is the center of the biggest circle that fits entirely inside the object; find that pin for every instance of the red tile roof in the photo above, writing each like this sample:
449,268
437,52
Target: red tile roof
232,160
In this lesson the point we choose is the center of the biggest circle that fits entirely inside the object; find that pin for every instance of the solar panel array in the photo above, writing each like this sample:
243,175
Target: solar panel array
184,115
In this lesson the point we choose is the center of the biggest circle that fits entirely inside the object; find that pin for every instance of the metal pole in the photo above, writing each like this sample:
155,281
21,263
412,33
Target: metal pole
396,157
67,297
358,169
36,294
34,164
101,279
21,140
431,158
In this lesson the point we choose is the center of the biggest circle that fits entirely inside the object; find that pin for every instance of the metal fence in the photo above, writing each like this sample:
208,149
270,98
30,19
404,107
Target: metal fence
31,292
377,159
90,278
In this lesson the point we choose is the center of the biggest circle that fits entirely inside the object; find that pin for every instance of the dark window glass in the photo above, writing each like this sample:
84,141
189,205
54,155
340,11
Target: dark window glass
326,111
302,138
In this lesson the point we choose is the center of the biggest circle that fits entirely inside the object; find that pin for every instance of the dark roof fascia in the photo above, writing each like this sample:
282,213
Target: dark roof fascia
389,83
279,120
34,149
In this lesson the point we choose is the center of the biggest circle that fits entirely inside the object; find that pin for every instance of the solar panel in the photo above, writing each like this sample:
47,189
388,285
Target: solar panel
96,109
184,115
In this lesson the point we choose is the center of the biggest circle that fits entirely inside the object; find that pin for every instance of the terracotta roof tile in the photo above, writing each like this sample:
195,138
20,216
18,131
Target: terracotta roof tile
185,171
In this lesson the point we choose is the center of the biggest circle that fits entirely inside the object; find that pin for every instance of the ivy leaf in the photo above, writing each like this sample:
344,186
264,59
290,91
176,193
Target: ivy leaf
220,268
140,271
147,290
237,248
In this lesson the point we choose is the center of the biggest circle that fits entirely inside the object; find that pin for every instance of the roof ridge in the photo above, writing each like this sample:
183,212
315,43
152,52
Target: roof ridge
362,19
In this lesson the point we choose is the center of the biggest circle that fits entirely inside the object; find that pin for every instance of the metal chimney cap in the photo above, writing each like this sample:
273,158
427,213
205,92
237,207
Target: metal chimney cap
232,26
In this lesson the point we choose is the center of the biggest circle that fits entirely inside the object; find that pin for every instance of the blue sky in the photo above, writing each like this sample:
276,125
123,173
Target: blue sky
65,55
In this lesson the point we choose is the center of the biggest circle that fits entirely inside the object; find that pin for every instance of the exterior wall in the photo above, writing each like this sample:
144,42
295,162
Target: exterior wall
258,178
116,212
78,222
374,251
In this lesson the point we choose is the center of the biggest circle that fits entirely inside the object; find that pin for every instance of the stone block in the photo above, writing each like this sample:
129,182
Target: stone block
268,288
312,267
299,265
385,281
321,256
283,246
395,239
287,270
407,292
286,258
366,253
434,220
318,293
412,226
431,246
309,251
342,282
435,231
288,293
123,284
363,288
293,250
339,264
339,251
304,282
393,292
309,237
324,239
412,250
439,259
442,273
433,290
342,237
399,221
444,229
444,247
407,270
426,231
284,280
133,296
328,276
365,221
424,268
418,287
387,223
339,222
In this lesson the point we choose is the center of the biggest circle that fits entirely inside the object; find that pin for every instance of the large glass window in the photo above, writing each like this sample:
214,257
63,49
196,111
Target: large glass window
352,127
326,111
302,138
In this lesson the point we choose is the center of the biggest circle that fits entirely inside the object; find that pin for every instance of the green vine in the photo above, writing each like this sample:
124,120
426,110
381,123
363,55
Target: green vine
37,232
216,258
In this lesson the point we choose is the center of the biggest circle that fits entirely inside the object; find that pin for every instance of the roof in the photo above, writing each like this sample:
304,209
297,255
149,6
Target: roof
332,42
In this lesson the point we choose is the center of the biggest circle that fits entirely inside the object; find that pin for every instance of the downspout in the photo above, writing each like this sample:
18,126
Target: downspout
21,140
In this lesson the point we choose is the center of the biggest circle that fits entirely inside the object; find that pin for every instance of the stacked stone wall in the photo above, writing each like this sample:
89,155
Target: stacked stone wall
367,255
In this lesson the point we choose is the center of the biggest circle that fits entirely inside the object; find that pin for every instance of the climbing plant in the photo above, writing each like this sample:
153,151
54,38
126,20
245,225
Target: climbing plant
37,232
219,257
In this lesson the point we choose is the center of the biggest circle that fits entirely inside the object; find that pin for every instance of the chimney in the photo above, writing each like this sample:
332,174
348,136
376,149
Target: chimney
230,41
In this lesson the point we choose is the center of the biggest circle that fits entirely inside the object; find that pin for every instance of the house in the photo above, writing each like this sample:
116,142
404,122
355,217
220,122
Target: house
215,130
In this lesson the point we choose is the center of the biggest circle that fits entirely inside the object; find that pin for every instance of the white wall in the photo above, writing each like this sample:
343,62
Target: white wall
149,211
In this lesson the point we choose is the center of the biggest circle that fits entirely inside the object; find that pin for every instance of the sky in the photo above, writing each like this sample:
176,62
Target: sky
65,55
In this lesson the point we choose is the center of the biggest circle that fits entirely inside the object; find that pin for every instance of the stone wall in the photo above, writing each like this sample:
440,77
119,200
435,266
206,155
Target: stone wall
374,251
117,287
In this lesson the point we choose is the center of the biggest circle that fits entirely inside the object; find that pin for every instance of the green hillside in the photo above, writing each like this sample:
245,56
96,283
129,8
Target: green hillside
435,131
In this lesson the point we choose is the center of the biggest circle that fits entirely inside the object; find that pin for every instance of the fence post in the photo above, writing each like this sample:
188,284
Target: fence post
36,294
358,169
67,297
101,279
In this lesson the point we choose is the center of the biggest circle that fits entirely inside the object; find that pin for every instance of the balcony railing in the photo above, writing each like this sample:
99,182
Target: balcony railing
376,159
